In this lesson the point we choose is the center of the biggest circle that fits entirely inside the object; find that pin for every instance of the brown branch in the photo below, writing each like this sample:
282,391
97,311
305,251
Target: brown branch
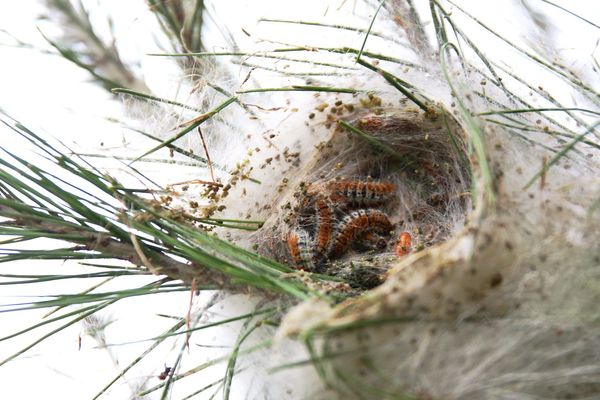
157,263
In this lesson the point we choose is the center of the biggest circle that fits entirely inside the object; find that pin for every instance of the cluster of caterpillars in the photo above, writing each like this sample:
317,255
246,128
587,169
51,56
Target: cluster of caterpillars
338,215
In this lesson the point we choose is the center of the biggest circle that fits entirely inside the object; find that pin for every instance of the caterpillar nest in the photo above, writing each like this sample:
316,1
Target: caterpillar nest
460,278
434,271
449,292
355,209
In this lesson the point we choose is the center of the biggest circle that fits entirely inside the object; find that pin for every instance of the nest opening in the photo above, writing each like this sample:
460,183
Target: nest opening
383,186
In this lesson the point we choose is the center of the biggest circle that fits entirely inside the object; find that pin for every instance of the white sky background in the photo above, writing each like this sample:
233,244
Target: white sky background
51,95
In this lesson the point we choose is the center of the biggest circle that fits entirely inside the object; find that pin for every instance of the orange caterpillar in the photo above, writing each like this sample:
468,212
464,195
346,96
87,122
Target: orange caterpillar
324,230
357,223
360,193
329,233
300,247
403,244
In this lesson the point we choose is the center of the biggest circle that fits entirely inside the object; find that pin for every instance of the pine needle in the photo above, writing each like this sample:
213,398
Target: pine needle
560,155
147,96
369,30
191,125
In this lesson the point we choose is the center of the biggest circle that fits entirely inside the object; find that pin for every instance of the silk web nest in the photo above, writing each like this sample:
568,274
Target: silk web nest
396,184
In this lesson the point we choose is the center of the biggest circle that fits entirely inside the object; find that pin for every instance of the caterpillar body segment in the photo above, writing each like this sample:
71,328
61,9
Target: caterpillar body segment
325,227
356,224
403,245
300,247
354,193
